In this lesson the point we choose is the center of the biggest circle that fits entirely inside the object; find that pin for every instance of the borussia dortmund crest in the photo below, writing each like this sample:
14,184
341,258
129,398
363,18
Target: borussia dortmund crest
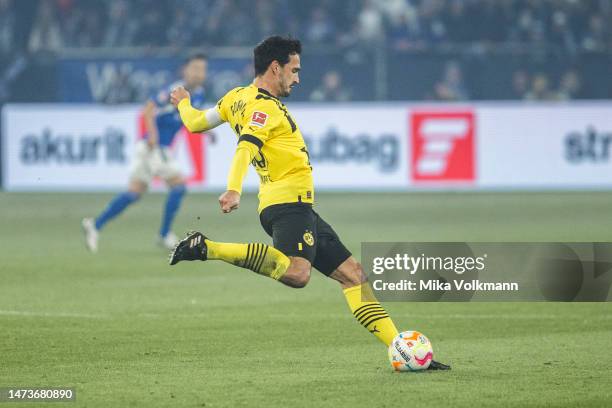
308,238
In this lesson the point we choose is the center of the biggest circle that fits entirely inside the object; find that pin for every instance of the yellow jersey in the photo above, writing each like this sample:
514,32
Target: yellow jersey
282,160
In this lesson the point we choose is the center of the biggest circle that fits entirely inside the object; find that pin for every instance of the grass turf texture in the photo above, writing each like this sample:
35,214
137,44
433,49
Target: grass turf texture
127,330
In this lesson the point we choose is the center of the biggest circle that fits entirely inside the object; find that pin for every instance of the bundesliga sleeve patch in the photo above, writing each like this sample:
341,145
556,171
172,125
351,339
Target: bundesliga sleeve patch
259,119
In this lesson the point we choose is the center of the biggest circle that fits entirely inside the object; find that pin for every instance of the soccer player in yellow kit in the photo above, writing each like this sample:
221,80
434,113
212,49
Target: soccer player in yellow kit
269,139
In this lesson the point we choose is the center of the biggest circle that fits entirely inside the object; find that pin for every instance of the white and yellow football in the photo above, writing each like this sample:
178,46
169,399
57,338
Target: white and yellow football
410,351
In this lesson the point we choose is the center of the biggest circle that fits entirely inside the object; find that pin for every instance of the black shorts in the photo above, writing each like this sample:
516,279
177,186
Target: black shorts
297,230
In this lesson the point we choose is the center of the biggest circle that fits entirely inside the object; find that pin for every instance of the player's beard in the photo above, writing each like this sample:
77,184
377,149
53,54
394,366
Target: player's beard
285,89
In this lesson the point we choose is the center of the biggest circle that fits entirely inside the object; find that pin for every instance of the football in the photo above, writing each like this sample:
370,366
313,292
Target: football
410,351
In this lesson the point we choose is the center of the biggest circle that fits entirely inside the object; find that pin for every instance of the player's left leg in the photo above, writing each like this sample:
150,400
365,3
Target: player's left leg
176,193
363,304
333,259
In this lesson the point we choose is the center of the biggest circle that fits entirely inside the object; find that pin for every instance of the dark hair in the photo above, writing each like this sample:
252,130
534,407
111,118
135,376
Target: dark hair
193,57
275,48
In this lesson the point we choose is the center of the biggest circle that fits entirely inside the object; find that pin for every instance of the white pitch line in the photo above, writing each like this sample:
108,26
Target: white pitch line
517,316
50,314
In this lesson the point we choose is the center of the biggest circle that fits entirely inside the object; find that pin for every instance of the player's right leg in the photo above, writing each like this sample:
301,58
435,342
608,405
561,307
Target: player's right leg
257,257
292,227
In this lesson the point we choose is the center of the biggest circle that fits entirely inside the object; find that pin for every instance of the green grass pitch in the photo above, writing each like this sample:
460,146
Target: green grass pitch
126,330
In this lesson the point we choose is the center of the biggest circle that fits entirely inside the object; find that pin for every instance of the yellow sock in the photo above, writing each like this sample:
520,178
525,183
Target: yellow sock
260,258
369,313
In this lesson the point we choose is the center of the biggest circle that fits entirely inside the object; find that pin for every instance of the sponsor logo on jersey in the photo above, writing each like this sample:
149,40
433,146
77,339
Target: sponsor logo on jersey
442,146
259,119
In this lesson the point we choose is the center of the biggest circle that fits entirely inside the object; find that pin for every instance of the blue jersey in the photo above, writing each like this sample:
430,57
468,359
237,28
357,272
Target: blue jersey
167,118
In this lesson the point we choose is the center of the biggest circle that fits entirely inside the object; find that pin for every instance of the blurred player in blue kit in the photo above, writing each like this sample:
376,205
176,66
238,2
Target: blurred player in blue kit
153,157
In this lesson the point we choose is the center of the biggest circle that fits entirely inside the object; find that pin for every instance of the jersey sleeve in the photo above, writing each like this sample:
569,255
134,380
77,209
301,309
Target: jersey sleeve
198,120
259,122
222,107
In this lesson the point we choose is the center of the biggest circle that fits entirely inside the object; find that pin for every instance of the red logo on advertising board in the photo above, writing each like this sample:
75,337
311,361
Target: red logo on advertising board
196,146
442,146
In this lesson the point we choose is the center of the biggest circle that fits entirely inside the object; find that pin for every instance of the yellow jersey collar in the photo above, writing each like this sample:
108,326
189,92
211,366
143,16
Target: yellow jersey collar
263,91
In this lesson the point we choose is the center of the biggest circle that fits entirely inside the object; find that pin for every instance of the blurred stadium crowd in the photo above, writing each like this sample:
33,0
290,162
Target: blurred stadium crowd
567,24
456,34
